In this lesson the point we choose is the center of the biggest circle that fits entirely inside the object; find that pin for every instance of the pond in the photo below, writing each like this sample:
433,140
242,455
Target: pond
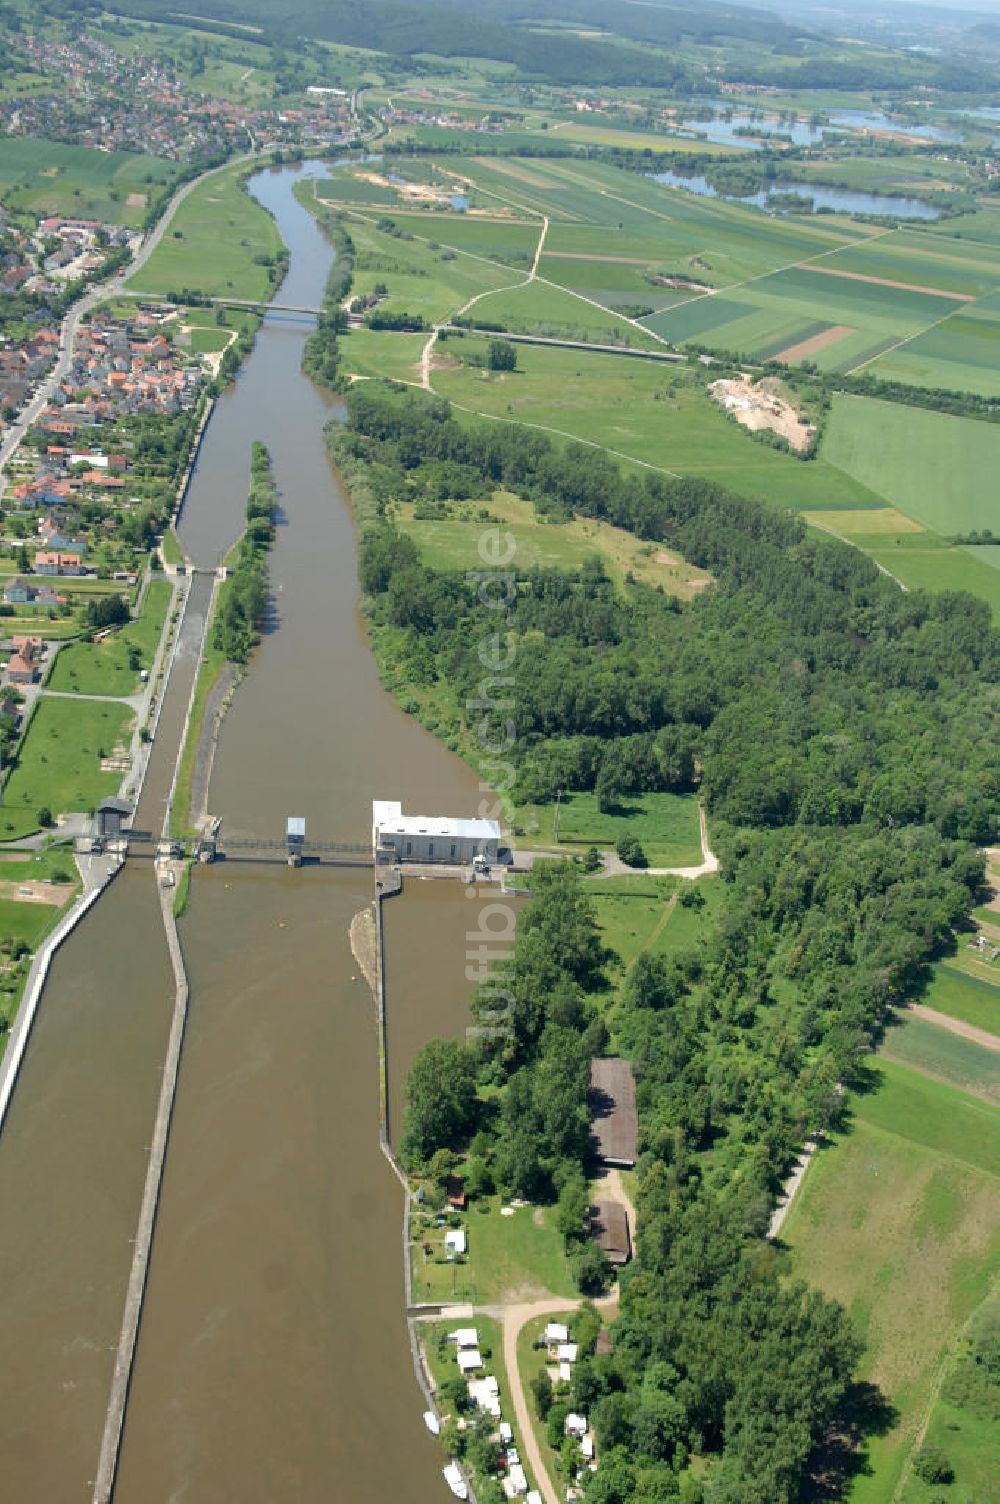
821,195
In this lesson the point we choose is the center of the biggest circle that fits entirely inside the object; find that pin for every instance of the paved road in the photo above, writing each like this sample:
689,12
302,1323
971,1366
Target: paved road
83,306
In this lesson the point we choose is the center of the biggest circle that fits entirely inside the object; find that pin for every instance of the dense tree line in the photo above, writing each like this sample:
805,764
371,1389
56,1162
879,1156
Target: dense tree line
842,734
243,602
321,356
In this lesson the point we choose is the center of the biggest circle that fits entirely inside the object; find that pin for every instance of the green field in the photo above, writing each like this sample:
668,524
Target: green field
27,922
215,244
102,668
897,1220
963,1422
961,354
665,824
541,307
937,468
973,1001
47,177
539,541
927,563
644,410
774,313
420,280
58,763
929,1048
519,1253
643,913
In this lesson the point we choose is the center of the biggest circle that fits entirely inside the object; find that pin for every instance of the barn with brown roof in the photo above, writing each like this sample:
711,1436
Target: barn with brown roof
614,1123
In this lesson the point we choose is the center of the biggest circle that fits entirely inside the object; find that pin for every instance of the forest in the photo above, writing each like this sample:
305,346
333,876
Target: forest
243,600
840,733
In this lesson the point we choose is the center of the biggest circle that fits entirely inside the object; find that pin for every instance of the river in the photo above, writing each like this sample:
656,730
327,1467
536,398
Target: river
272,1358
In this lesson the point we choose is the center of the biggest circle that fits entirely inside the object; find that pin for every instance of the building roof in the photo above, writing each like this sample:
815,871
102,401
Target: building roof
112,806
387,816
614,1123
609,1228
296,826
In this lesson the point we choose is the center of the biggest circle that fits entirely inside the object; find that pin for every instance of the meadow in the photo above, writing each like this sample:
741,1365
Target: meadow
420,279
666,825
453,543
48,177
58,763
506,1254
963,1424
937,468
219,242
540,307
897,1220
104,668
651,412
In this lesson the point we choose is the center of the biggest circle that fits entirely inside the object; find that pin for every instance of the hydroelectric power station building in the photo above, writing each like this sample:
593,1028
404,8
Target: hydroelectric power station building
430,838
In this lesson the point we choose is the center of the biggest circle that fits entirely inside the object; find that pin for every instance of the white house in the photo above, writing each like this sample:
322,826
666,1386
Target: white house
576,1425
454,1240
556,1332
430,838
465,1336
469,1359
566,1352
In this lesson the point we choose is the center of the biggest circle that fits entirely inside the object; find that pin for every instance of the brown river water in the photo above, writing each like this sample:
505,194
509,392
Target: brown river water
272,1360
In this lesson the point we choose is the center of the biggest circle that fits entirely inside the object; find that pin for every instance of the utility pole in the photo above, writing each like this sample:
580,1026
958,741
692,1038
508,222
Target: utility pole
555,818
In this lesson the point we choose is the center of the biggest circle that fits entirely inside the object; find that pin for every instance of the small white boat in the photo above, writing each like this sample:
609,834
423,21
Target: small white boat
455,1481
432,1423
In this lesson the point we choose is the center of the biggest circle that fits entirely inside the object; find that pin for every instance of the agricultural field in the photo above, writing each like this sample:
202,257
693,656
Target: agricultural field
807,312
420,280
453,543
540,307
43,177
897,1220
934,467
220,241
925,562
105,668
58,762
655,413
927,1047
961,353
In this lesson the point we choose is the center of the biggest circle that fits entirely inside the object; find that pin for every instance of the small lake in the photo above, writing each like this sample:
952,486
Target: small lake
727,125
876,120
730,130
838,200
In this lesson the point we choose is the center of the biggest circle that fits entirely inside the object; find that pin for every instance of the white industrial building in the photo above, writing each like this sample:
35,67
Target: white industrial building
430,838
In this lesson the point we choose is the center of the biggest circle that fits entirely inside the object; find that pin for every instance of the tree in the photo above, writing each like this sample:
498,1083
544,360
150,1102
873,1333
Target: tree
441,1100
501,355
932,1465
629,849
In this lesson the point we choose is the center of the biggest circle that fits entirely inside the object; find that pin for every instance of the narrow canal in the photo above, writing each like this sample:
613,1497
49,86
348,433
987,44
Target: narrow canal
272,1359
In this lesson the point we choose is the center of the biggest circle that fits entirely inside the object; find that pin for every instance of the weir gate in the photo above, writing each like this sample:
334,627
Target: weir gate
292,850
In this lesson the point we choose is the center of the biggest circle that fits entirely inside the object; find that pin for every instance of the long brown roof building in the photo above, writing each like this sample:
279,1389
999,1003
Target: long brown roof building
614,1123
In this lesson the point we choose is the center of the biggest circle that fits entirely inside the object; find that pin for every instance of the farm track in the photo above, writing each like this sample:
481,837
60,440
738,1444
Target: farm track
956,1026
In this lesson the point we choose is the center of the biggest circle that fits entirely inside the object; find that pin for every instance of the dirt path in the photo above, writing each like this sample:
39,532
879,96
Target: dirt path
538,249
514,1318
956,1026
